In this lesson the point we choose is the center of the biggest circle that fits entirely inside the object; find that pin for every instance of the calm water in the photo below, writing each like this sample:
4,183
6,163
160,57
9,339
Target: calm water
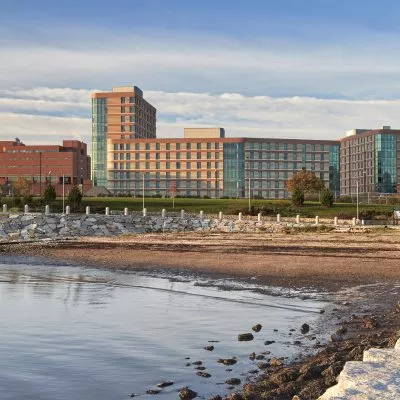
71,332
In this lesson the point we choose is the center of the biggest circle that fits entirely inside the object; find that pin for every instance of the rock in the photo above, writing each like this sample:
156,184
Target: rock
286,375
331,373
200,368
187,358
228,370
252,356
305,328
234,396
309,372
297,343
165,384
321,311
253,371
275,330
356,354
203,374
292,330
260,357
268,342
197,363
213,341
263,365
227,361
209,348
153,391
342,330
132,395
187,394
233,381
257,328
313,390
275,362
370,323
188,364
245,337
217,397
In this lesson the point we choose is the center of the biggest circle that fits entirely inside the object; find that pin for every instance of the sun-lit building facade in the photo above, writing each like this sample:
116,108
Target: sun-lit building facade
122,114
369,161
215,166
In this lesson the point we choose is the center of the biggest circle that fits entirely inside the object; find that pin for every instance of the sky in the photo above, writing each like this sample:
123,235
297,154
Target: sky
259,68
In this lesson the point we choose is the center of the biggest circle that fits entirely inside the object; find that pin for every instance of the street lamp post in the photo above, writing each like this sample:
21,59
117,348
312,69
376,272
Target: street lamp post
143,191
63,192
357,199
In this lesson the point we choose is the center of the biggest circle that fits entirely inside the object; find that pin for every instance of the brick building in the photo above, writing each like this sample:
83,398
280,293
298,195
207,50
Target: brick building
42,164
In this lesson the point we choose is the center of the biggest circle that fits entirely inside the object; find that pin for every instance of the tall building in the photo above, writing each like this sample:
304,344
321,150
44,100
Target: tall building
368,160
42,164
205,163
122,116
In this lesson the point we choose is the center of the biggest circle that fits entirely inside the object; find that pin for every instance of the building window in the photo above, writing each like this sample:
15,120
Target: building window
168,146
178,146
198,145
123,110
157,165
122,100
178,165
188,146
122,128
157,146
188,165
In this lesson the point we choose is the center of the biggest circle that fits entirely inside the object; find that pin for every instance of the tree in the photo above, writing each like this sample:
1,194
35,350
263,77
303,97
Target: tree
327,198
22,187
50,193
306,181
75,197
297,197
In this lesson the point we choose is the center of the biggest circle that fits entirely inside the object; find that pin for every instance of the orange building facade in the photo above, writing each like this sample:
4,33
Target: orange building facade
43,164
122,114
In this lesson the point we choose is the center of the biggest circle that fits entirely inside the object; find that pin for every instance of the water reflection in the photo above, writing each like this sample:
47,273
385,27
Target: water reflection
82,333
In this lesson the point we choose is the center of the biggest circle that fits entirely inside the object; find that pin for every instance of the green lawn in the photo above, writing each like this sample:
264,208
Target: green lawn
227,206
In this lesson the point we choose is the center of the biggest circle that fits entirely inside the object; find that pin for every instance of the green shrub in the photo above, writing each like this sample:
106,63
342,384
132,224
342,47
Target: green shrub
49,194
297,197
327,198
75,198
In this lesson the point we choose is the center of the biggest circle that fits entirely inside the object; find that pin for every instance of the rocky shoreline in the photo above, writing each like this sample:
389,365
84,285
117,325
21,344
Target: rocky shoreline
358,326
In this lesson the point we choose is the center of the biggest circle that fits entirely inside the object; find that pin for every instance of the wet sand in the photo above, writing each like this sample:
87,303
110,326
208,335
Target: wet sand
304,259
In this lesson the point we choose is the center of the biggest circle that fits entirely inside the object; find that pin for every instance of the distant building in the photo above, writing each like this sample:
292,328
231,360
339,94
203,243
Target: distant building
123,116
368,159
211,165
42,164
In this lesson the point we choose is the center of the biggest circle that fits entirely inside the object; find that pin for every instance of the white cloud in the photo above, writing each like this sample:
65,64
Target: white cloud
206,64
28,114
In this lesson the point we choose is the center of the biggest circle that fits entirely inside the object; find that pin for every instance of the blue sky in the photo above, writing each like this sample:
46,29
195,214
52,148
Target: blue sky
288,68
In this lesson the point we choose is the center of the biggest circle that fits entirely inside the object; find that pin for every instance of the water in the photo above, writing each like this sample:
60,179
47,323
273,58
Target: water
69,332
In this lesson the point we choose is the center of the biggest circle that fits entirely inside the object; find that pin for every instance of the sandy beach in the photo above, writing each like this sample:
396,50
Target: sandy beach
304,259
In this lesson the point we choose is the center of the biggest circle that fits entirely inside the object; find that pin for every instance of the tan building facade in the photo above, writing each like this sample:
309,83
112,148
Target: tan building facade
121,115
217,167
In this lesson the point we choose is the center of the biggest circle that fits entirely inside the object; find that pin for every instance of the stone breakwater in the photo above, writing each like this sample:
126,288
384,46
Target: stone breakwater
16,227
376,377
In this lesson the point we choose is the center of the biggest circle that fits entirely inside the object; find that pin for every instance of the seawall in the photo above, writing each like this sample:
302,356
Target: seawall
36,226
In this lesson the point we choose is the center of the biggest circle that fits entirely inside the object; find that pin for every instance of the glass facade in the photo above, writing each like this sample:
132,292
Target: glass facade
334,169
234,184
385,177
99,142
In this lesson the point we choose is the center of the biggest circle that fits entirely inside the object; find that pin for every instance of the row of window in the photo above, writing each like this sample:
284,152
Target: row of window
286,146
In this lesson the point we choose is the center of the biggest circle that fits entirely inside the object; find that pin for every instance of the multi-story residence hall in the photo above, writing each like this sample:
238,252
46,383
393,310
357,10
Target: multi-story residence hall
122,114
369,160
205,163
42,164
